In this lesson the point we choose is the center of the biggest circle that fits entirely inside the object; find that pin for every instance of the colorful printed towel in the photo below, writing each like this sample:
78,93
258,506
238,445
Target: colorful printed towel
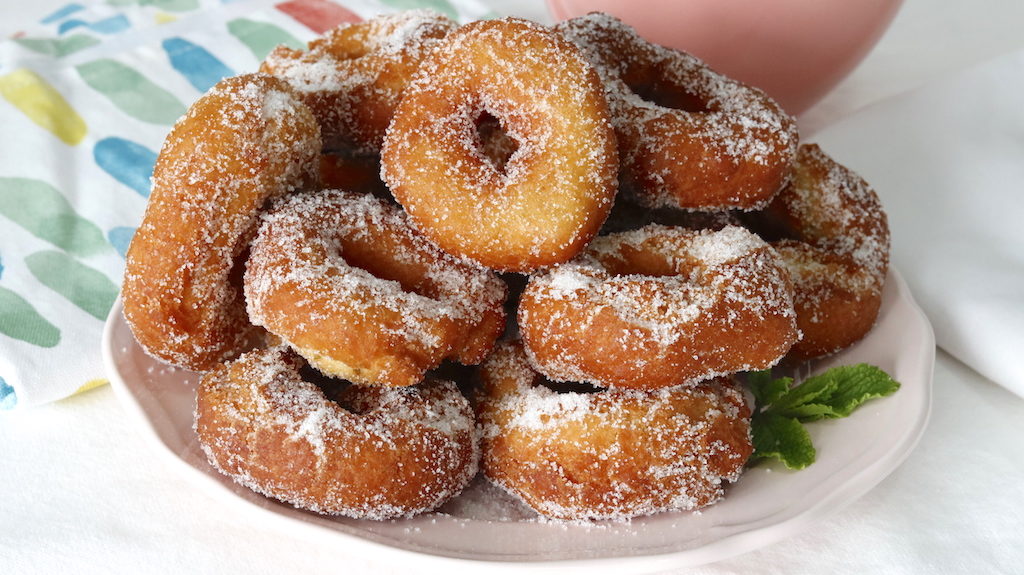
86,98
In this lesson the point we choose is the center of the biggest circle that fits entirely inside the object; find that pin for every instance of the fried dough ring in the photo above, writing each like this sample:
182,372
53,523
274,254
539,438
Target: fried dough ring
688,137
380,453
836,249
556,188
612,454
353,76
344,280
658,307
247,140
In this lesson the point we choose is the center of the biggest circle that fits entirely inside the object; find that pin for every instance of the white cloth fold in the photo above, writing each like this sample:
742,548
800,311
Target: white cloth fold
947,161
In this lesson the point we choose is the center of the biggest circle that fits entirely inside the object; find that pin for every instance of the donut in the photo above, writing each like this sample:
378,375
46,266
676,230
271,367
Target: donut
659,307
608,454
345,281
370,453
556,189
354,75
833,236
247,140
688,137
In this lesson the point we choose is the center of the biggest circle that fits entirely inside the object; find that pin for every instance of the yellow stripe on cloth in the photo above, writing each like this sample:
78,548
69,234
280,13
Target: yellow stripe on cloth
43,104
91,384
164,18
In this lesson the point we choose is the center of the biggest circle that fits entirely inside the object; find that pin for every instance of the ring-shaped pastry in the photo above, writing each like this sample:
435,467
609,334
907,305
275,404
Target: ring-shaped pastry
345,281
557,187
659,307
610,454
245,141
688,137
375,453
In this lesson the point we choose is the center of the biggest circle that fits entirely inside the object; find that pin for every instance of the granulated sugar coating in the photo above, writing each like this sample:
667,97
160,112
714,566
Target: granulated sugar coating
658,307
394,452
353,77
836,250
247,140
557,187
344,280
609,454
688,137
502,142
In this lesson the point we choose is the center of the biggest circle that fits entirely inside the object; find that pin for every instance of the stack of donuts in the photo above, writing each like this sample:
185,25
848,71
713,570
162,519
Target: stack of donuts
607,229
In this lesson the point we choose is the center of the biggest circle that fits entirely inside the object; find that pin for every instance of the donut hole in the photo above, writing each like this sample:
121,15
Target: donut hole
378,257
654,88
564,386
495,144
332,388
632,260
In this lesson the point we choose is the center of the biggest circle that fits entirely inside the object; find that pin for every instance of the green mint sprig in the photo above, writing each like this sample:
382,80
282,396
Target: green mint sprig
781,409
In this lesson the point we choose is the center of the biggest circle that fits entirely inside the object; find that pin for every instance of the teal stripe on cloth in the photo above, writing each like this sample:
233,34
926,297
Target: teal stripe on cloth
62,13
8,398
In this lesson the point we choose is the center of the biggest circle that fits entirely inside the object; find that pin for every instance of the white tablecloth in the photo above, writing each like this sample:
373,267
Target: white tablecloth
83,493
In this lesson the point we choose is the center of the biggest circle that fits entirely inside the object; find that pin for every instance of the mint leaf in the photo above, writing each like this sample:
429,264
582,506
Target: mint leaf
767,389
780,409
855,384
813,390
783,438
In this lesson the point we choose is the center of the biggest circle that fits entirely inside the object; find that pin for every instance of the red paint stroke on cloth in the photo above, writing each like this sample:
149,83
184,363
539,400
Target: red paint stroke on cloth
318,15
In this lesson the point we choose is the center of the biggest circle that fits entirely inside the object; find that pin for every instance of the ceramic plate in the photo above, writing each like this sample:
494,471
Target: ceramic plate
767,504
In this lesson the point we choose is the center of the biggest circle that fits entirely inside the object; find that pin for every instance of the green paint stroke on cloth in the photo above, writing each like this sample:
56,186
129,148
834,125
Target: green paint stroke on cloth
80,284
45,213
261,37
442,6
18,319
132,92
58,47
43,104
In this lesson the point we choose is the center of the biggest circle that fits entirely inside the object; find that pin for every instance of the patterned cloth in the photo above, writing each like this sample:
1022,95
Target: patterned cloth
86,98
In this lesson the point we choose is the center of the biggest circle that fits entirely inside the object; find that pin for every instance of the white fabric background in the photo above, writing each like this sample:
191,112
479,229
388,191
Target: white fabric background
82,493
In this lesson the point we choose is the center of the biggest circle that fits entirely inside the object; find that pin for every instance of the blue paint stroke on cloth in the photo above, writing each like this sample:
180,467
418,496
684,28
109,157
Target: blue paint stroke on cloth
128,162
1,267
111,25
120,237
62,13
8,398
201,68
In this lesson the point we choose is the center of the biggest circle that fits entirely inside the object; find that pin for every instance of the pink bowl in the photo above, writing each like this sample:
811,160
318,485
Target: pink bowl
796,50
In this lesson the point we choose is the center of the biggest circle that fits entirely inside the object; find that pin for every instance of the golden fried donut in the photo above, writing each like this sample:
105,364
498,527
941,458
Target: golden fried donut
556,188
688,137
609,454
375,453
247,140
836,248
658,307
353,76
346,282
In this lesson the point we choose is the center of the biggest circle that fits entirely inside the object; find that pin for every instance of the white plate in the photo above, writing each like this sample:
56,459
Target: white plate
766,505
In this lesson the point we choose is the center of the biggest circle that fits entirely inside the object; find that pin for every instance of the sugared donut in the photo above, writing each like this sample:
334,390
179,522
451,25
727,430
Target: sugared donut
353,76
688,137
345,281
659,307
247,140
375,453
836,248
608,454
556,188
